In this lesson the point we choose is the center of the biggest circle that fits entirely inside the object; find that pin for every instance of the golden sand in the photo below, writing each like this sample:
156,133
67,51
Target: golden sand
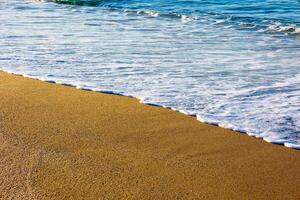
58,142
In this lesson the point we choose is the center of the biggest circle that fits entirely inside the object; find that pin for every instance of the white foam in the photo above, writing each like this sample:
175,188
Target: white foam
167,107
227,126
81,87
278,27
185,18
183,112
292,145
174,109
259,136
251,134
192,114
275,140
149,13
200,119
221,21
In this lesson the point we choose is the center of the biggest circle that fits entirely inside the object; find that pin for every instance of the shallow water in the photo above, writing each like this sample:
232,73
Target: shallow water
232,63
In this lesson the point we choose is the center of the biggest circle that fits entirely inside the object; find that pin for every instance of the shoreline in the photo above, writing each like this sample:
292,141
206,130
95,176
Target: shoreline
281,142
60,143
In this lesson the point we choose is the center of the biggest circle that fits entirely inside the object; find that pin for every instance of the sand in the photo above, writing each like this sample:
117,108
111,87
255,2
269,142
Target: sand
57,142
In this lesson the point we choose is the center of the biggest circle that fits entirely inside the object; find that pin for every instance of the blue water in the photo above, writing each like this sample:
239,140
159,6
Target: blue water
231,63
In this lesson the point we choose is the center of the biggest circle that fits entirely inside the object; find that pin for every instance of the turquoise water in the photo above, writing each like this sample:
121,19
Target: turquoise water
231,63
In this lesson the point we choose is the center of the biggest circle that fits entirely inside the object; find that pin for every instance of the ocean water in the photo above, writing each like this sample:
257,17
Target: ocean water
232,63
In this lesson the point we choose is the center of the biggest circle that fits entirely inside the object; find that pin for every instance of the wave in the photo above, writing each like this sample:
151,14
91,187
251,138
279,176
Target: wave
151,13
283,28
233,20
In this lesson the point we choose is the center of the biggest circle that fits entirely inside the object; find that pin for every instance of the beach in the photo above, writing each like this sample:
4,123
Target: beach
58,142
230,66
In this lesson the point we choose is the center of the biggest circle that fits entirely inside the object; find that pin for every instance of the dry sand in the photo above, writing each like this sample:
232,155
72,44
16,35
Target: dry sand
58,142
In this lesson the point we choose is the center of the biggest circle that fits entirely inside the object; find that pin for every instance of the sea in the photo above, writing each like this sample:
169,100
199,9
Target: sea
231,63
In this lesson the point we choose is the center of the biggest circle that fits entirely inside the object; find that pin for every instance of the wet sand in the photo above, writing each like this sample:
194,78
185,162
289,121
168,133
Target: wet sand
57,142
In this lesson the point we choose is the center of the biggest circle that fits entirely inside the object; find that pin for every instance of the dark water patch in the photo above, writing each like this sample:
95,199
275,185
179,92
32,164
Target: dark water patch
84,2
